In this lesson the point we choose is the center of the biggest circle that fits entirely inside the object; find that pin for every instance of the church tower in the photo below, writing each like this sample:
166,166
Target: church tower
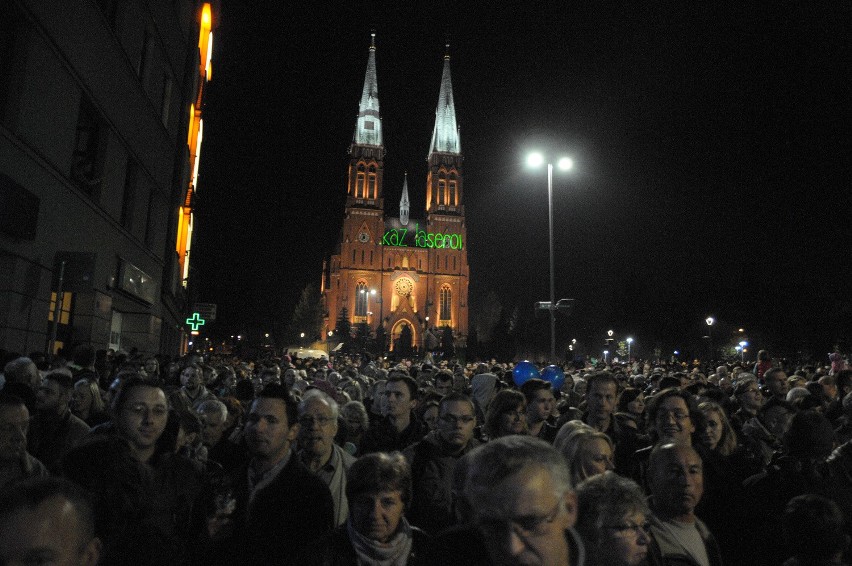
445,215
353,275
401,278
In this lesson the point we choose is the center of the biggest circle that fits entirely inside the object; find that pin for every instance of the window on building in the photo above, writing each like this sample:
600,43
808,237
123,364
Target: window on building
166,100
446,303
128,202
361,298
454,191
371,183
65,308
442,189
86,162
360,179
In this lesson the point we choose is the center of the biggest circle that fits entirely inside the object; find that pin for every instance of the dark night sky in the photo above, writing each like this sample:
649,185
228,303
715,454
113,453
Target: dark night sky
711,144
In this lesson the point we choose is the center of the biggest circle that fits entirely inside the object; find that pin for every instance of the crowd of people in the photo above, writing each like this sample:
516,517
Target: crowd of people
110,458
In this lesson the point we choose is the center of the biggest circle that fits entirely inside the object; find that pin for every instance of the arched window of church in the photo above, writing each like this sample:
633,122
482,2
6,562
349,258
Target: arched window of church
361,299
453,197
446,303
360,179
442,190
371,183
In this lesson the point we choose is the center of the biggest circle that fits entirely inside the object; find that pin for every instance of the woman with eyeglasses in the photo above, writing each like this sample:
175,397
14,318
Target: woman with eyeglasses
612,519
378,488
507,414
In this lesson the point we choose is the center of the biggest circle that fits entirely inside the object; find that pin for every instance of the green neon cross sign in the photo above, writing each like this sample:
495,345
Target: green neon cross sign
195,321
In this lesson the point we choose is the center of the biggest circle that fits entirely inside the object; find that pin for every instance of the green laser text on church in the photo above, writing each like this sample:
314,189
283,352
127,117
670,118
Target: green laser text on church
422,239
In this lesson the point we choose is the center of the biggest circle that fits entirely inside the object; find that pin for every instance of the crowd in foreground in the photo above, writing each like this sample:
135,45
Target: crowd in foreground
116,459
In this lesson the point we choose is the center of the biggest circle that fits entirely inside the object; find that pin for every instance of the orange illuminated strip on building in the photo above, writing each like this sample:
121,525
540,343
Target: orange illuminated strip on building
193,139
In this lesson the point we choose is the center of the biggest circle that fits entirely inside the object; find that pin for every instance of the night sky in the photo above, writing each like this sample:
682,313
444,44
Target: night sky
711,144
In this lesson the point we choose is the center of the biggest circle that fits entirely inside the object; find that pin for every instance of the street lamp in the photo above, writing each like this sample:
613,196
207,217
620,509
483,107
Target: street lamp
743,345
629,343
537,160
606,353
710,320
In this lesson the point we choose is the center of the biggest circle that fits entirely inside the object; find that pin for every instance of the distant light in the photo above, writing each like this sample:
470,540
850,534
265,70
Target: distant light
330,333
629,340
565,163
676,353
372,291
710,320
535,159
609,332
606,352
302,334
743,344
742,330
266,335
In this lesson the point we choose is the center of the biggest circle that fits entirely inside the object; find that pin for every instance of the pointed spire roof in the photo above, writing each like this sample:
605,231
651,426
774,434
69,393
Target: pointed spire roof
404,200
445,136
368,130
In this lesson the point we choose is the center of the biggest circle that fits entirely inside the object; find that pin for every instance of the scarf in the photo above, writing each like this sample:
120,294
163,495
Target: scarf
393,553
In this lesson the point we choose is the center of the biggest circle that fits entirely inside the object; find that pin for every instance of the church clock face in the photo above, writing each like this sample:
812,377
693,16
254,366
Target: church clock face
403,286
363,237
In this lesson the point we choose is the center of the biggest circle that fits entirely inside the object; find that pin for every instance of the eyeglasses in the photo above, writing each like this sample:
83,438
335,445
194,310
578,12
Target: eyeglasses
524,527
322,421
626,527
454,420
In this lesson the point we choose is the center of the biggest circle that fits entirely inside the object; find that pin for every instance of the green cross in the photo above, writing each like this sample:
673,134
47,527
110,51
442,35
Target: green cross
195,321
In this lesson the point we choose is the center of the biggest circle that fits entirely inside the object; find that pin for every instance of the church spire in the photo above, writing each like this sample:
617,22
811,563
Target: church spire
368,130
445,136
403,202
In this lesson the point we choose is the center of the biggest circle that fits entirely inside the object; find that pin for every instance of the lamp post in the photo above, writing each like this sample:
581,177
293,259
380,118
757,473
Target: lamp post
606,353
710,320
564,163
629,344
743,345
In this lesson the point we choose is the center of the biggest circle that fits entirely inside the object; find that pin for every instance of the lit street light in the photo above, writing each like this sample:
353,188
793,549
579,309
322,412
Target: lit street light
710,320
629,343
743,345
537,160
606,353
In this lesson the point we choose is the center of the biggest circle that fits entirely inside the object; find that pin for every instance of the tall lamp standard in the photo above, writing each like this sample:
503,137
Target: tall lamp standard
743,345
536,160
629,344
710,320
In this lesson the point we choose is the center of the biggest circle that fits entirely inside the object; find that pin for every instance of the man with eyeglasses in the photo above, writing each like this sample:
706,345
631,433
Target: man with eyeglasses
676,478
433,462
318,452
524,506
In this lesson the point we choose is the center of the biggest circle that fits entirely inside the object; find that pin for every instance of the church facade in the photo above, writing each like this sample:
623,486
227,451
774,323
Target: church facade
393,272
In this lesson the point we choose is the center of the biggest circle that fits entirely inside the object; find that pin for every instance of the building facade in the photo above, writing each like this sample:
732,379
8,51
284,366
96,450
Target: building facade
394,271
100,133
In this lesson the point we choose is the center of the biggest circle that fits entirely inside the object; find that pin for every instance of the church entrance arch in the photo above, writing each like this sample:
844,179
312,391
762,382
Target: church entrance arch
397,333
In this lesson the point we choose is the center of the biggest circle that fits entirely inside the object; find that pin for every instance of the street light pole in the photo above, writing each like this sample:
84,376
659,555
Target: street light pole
534,160
552,276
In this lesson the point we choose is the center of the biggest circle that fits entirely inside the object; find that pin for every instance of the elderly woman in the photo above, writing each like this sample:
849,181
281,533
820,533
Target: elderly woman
87,403
507,414
589,452
378,488
612,519
357,423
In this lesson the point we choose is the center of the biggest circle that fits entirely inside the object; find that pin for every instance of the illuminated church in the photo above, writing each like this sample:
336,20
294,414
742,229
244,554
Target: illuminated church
392,271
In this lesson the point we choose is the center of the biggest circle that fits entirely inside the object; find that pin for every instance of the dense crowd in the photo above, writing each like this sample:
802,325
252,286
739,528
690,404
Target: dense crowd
111,458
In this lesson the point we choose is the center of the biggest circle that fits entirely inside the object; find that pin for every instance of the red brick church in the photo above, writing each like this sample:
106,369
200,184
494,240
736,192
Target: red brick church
392,270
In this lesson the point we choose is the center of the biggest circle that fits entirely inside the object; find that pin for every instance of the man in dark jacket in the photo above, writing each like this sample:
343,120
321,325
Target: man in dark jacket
280,506
399,428
433,461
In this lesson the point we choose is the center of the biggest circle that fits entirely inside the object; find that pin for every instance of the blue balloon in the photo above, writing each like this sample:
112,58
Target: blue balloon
554,375
524,371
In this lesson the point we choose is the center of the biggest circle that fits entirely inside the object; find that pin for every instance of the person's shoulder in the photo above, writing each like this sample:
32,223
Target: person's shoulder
77,424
